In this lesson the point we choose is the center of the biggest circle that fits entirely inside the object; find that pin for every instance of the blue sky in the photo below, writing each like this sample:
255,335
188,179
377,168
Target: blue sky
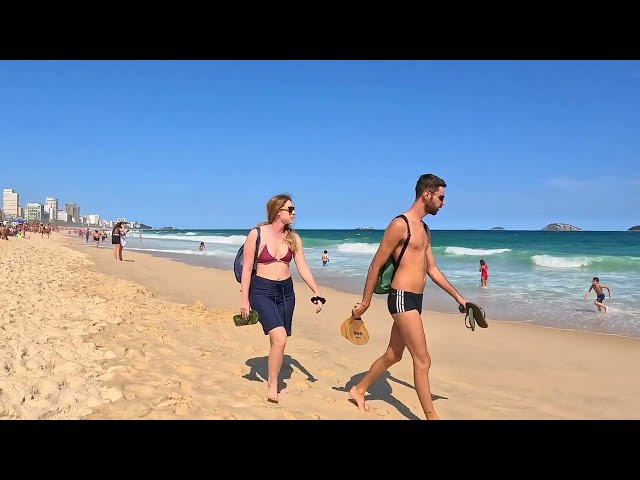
205,143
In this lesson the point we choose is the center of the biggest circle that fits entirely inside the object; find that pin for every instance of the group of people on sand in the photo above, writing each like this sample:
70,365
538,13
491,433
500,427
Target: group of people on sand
269,289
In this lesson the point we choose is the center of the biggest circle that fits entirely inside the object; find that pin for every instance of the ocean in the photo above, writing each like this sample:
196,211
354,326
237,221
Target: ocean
534,276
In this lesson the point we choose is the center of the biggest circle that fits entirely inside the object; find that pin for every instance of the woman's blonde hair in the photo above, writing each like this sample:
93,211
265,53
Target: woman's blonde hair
274,205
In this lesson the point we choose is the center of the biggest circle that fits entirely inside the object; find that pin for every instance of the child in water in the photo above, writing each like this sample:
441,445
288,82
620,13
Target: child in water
325,258
597,287
484,273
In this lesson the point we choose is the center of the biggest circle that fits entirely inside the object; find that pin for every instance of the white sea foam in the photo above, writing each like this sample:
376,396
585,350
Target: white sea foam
227,240
475,251
562,262
357,247
191,233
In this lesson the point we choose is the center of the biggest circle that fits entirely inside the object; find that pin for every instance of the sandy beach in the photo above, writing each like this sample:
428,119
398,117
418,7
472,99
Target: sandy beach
85,337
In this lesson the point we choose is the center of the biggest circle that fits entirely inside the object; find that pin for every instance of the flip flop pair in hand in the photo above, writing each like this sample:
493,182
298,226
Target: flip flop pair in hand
474,315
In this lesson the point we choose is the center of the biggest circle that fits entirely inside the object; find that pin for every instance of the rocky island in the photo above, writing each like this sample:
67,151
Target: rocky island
561,227
497,228
635,229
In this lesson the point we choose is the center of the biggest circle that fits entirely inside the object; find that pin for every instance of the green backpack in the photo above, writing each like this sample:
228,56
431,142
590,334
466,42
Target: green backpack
388,270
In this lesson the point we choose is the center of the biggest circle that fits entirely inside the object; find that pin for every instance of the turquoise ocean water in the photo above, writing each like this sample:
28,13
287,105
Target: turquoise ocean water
534,276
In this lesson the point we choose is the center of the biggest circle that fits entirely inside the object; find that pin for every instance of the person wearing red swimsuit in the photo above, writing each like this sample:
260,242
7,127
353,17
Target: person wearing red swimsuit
484,273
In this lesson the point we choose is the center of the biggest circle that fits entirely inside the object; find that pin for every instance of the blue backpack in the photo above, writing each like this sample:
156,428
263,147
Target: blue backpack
238,262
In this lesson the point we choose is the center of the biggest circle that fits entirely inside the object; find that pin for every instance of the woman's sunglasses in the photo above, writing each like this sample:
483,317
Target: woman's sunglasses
289,209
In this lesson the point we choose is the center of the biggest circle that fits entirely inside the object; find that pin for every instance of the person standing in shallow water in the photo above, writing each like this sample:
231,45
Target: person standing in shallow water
325,258
270,290
484,273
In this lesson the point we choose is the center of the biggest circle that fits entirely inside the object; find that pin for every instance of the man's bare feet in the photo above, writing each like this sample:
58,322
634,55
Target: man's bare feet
359,399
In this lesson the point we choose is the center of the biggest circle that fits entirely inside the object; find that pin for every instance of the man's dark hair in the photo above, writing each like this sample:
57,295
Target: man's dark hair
429,182
596,279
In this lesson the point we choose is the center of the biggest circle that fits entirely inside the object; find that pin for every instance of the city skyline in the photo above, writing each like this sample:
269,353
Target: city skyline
41,212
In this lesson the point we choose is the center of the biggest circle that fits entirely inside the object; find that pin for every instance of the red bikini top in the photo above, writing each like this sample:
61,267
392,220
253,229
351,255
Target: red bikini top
266,257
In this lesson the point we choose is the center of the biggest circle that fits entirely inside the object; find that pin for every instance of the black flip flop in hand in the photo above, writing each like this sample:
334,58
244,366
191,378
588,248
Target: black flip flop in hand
475,315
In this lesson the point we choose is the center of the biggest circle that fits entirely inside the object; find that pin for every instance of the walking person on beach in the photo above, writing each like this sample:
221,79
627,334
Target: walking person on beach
405,295
270,290
595,285
116,234
484,273
96,238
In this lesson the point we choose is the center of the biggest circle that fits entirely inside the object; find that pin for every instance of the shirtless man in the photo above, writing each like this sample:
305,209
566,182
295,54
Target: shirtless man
405,295
595,285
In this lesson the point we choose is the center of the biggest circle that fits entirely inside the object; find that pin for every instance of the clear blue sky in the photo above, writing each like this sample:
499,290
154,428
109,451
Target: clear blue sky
205,143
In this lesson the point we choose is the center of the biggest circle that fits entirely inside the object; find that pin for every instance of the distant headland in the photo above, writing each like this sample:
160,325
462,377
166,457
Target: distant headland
561,227
497,228
635,229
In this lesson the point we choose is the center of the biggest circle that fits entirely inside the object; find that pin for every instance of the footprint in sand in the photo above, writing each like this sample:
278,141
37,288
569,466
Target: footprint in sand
381,412
135,353
325,398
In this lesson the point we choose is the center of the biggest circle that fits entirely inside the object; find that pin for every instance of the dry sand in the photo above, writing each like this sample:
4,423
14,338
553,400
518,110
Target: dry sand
84,336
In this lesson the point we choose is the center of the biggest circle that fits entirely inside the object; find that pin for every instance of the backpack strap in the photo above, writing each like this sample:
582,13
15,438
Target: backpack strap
426,229
255,255
406,242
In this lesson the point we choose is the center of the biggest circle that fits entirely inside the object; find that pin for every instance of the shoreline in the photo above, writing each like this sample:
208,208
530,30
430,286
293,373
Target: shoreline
437,296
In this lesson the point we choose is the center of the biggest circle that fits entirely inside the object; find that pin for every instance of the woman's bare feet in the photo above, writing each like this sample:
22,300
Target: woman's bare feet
432,416
359,399
272,393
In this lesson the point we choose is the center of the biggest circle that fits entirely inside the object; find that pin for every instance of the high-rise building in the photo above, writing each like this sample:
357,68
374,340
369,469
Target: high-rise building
62,215
73,212
35,212
93,219
51,207
10,203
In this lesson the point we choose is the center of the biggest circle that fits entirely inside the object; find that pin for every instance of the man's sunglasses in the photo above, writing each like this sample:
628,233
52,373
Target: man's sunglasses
289,209
441,197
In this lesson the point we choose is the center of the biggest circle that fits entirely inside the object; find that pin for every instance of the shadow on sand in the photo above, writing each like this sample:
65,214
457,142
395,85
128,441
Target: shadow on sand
381,390
259,370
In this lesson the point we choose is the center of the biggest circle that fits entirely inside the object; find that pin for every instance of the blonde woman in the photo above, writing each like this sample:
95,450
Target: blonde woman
269,290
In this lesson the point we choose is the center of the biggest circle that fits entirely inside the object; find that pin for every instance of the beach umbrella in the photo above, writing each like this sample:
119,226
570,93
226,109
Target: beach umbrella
18,220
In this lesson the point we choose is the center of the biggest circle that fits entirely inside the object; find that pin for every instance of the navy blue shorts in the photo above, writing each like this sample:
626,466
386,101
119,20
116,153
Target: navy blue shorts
600,298
400,301
274,300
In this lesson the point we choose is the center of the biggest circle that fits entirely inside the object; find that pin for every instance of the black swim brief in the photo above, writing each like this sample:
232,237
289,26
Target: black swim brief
601,298
400,301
